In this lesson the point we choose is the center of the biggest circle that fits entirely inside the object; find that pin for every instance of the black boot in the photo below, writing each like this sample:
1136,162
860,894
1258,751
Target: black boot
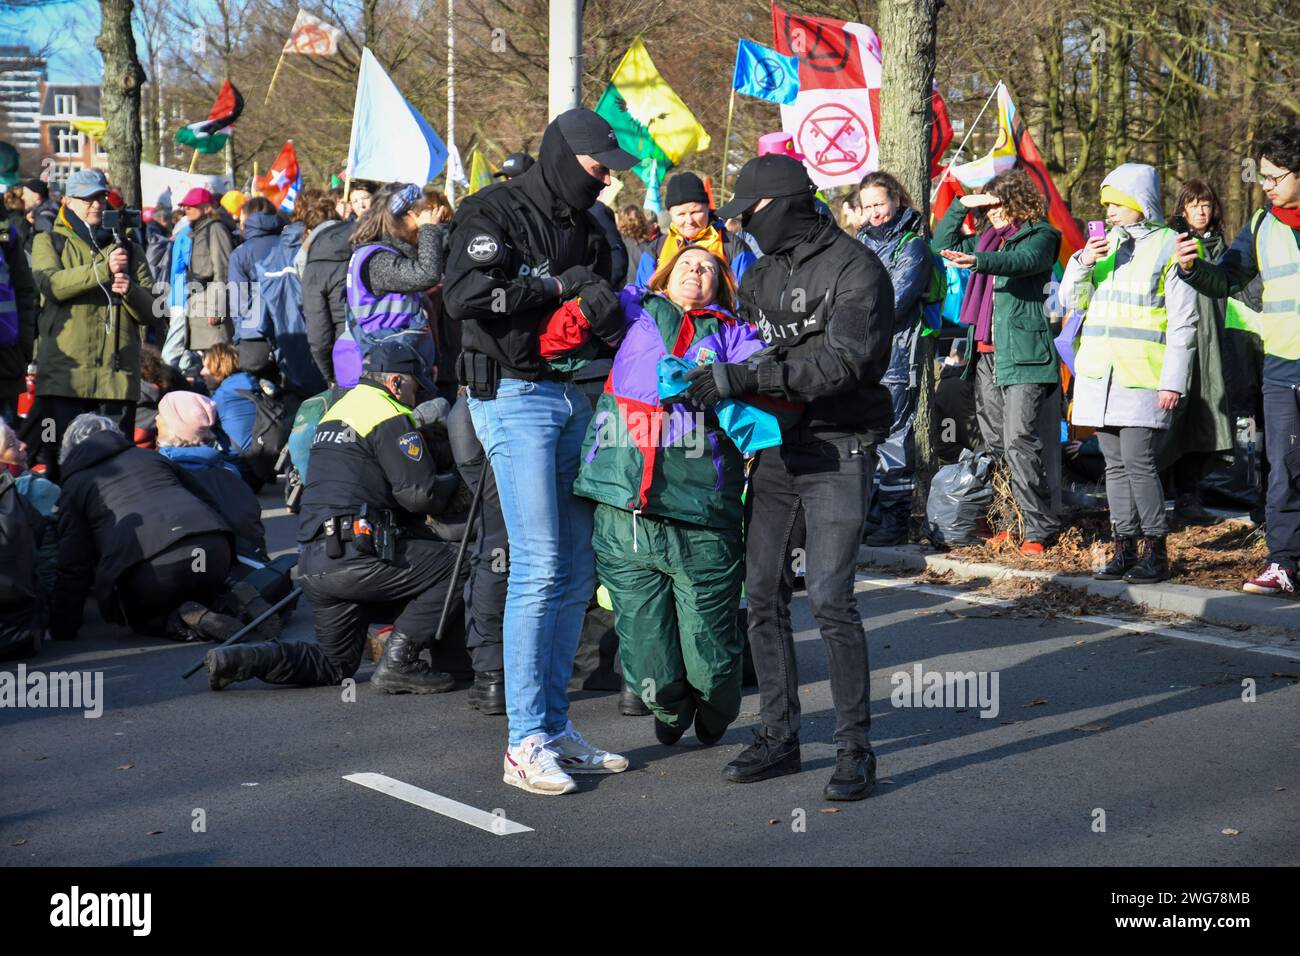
854,777
764,759
1122,562
207,624
228,665
893,527
1154,566
1189,510
667,735
401,671
488,695
630,705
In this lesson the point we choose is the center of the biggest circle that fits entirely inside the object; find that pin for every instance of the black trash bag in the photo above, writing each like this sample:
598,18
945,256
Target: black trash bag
960,495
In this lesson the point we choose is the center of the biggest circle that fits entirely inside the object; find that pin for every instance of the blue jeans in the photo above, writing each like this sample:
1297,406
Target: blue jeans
532,433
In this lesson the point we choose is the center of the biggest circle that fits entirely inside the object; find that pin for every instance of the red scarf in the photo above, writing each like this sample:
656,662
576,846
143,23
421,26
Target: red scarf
1288,217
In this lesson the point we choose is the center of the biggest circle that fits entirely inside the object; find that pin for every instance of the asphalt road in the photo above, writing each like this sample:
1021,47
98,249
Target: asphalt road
1153,731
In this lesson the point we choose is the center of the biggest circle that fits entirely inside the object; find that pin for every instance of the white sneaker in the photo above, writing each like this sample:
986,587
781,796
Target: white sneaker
575,755
532,766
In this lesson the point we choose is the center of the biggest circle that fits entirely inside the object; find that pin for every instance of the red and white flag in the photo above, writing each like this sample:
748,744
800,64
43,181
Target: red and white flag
835,119
312,37
281,177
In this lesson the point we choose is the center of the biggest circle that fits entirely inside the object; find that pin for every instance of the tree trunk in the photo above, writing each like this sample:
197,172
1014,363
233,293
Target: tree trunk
907,35
1117,57
120,98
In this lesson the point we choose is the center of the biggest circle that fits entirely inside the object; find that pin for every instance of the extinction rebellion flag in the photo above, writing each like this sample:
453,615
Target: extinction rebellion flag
211,134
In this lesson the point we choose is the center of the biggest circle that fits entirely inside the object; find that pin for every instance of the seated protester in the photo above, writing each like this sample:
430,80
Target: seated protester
954,401
231,389
185,422
157,378
693,224
667,482
39,497
399,252
129,524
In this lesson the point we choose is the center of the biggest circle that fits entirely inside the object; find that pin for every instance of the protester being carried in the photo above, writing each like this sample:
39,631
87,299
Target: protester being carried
1134,362
1269,247
1011,350
398,254
693,224
128,523
893,229
668,520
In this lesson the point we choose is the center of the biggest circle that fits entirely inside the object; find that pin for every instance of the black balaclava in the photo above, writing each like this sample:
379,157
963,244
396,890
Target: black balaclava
782,223
563,173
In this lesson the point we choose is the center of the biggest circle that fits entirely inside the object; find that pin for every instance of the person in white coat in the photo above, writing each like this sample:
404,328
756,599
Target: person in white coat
1134,362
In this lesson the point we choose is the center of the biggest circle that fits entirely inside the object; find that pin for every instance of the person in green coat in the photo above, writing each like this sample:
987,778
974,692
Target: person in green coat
667,482
88,348
1010,338
1201,436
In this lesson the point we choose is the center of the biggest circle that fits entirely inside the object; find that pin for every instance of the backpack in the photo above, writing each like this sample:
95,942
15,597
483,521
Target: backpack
936,292
279,318
270,433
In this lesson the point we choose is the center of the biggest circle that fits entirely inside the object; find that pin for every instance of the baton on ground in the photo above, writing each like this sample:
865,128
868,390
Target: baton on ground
239,635
460,552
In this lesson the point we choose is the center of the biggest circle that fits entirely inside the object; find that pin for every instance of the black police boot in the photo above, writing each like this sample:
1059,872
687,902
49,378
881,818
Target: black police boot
1154,566
228,665
764,759
401,671
667,735
488,694
630,705
1122,562
893,527
854,777
208,624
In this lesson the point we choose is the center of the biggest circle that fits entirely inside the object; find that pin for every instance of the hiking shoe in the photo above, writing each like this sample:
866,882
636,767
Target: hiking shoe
854,777
764,759
1275,580
532,766
575,755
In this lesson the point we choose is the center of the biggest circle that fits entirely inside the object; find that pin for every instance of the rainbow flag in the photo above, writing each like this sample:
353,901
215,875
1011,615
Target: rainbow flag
1015,149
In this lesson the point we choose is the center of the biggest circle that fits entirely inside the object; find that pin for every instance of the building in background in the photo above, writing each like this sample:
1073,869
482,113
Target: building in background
22,75
64,148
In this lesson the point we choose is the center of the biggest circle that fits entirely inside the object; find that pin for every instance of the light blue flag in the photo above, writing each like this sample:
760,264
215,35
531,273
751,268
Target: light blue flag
765,74
391,141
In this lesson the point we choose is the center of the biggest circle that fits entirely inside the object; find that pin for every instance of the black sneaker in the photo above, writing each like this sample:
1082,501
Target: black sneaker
854,777
764,759
667,735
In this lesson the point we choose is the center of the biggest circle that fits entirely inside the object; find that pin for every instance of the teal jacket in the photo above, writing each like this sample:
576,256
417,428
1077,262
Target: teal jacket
1022,334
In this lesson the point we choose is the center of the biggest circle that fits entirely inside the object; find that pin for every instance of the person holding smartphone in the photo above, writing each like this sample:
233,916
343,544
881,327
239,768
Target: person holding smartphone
1134,362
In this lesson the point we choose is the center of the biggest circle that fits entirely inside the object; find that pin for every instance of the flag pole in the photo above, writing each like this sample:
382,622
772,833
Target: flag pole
451,97
278,63
194,160
952,162
726,145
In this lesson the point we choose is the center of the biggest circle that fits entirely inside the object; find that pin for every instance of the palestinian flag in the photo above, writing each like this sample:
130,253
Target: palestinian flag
211,134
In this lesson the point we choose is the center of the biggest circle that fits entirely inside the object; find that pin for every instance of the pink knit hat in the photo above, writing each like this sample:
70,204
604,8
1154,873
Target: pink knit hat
189,415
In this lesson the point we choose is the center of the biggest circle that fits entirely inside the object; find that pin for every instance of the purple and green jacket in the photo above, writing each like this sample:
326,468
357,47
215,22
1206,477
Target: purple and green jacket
669,461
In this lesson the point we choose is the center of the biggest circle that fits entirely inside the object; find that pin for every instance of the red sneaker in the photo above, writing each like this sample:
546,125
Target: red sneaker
1032,549
1274,580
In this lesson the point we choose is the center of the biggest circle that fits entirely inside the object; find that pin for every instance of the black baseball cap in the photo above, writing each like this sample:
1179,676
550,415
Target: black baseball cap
766,177
398,357
40,187
586,133
516,164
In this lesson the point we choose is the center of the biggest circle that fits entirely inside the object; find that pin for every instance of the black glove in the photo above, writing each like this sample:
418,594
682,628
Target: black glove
432,412
574,278
711,383
600,307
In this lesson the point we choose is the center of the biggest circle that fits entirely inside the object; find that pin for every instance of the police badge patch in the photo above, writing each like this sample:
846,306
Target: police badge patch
482,248
412,445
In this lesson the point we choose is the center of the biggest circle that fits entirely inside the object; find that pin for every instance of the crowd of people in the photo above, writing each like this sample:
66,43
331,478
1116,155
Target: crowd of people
673,419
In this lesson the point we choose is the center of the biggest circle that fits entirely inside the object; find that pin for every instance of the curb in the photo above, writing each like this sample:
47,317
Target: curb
1206,604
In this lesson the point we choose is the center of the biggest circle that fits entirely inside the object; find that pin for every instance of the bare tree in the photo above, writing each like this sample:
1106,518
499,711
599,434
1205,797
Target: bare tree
120,97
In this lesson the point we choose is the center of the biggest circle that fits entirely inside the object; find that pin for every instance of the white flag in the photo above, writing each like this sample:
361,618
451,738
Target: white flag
391,141
456,168
312,37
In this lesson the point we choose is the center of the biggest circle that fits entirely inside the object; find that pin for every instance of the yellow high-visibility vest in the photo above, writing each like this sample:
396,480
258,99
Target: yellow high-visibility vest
1125,326
1278,321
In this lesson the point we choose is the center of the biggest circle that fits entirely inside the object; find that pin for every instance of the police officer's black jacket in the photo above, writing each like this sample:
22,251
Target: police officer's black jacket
368,451
504,239
826,306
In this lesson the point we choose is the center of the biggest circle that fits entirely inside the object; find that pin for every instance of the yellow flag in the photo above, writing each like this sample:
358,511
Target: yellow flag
479,174
653,104
92,128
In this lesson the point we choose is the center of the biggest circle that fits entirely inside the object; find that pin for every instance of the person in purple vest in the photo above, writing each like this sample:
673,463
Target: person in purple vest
399,249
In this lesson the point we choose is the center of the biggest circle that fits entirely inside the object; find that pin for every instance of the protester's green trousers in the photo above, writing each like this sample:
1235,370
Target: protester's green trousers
675,589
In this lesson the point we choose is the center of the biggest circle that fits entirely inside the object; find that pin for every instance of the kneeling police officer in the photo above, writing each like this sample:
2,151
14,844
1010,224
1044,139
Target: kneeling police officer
365,544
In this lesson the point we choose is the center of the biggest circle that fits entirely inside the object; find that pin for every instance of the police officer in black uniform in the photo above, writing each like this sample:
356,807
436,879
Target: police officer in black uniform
824,304
366,548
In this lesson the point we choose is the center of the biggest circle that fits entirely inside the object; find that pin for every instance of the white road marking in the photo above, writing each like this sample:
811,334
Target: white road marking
475,817
1139,627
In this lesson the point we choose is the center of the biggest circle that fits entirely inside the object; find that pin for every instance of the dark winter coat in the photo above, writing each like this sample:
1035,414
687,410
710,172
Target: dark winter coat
324,292
261,233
